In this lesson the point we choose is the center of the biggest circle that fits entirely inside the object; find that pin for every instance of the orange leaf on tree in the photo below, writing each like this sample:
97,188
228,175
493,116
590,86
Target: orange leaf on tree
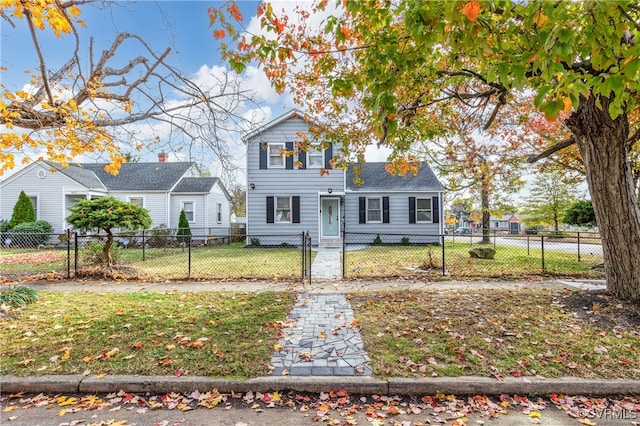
471,10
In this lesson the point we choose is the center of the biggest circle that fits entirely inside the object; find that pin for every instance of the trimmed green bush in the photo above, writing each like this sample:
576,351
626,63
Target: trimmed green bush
17,295
4,228
184,230
30,234
23,211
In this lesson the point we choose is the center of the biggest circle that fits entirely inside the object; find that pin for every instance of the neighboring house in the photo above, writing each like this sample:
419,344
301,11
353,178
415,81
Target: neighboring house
292,194
163,188
506,223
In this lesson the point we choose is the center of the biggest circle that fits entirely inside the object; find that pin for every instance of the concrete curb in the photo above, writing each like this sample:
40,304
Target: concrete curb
469,385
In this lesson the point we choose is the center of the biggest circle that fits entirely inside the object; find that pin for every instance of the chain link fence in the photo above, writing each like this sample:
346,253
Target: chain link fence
460,256
160,254
164,254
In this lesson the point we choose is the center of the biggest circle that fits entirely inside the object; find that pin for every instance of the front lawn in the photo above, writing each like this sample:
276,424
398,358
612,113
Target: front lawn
426,261
224,261
499,333
201,334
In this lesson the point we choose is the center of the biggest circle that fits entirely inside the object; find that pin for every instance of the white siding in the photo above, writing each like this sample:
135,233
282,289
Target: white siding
154,202
215,197
398,216
305,183
49,189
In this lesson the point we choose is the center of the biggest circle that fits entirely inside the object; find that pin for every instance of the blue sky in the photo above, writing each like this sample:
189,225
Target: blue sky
181,25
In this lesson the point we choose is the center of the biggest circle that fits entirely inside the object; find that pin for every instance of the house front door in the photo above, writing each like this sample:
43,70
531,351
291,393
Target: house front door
330,223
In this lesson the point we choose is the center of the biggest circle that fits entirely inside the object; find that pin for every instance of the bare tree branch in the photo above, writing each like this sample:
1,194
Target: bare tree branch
551,150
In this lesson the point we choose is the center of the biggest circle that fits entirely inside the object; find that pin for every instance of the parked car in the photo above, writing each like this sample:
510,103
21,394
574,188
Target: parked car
463,231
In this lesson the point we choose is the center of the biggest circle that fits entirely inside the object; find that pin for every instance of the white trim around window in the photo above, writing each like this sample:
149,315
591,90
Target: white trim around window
315,157
219,213
35,201
189,208
282,207
275,156
136,200
424,210
374,209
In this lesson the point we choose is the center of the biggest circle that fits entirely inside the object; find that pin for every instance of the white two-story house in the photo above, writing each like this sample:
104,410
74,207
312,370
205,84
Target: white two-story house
292,194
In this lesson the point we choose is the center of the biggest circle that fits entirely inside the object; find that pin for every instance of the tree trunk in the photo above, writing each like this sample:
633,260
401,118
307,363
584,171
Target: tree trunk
106,250
486,213
602,145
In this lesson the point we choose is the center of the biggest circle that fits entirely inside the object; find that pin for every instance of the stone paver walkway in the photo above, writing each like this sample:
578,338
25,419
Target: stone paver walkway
326,264
321,338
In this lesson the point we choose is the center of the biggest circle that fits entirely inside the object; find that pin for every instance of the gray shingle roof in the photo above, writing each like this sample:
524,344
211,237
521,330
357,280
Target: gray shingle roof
199,185
376,178
195,184
140,176
80,174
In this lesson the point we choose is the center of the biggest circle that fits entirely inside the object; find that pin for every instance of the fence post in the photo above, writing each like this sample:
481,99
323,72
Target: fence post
68,253
189,257
542,247
528,250
309,263
494,239
304,256
578,246
444,270
144,247
344,251
75,260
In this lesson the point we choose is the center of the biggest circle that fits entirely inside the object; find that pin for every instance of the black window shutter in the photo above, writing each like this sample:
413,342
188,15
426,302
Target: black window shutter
263,155
328,155
435,207
295,206
270,210
385,209
412,209
302,158
288,160
363,210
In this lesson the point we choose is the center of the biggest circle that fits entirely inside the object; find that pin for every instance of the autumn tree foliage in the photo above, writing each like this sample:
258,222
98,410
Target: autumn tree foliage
85,105
382,68
107,214
476,162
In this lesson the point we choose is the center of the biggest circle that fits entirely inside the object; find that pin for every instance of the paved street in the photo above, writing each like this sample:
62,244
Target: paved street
240,414
534,243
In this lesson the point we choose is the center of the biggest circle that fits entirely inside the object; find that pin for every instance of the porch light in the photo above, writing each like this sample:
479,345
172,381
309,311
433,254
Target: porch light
330,190
252,185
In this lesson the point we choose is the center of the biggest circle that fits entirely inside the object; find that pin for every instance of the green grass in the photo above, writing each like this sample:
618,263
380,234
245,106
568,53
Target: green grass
509,262
225,261
521,332
235,261
207,334
17,295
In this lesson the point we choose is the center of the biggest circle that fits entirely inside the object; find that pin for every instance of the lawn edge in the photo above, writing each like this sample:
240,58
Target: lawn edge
467,385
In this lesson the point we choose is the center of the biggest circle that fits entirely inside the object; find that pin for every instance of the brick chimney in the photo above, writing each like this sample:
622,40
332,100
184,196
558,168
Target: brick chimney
162,157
